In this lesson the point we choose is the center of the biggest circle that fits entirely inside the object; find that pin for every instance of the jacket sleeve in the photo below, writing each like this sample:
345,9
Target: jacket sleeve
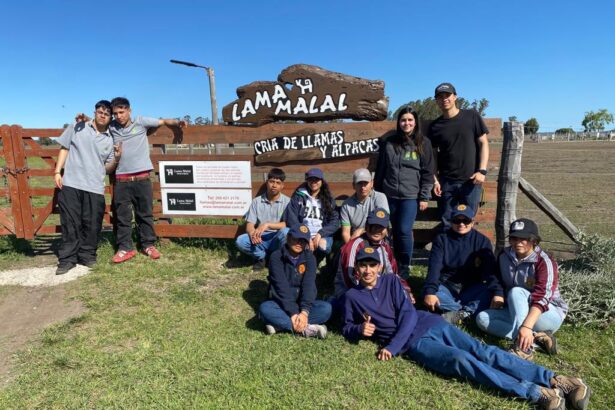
406,318
331,223
545,273
281,290
381,165
487,267
427,171
352,327
436,263
308,284
292,211
495,285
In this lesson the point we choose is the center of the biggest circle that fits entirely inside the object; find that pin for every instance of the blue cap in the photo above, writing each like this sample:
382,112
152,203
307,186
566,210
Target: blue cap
300,231
315,173
367,253
464,210
378,216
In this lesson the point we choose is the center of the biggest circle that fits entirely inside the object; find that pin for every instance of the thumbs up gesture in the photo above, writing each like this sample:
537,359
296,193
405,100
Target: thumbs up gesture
367,328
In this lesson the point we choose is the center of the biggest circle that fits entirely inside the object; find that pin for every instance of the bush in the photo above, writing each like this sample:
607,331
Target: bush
588,282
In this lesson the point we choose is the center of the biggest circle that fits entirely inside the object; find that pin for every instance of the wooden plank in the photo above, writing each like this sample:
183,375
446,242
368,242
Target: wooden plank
40,214
7,144
22,182
42,132
6,221
549,209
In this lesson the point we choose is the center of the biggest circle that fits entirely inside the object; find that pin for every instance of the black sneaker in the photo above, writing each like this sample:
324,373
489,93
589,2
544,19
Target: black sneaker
259,265
64,267
89,264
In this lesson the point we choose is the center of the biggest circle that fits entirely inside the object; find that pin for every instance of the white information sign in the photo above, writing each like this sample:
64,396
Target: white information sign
205,174
222,202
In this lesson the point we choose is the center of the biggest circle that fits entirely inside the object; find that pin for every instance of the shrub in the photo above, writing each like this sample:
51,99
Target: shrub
588,282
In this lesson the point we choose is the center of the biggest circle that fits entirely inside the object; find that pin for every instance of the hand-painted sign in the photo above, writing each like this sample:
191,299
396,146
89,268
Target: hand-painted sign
314,94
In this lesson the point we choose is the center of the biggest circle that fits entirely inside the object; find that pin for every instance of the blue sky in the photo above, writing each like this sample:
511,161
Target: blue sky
553,60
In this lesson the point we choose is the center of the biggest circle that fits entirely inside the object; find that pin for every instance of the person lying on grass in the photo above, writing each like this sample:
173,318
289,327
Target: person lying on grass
292,289
533,308
379,309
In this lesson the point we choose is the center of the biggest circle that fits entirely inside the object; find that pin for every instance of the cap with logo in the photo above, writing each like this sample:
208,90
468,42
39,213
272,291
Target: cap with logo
378,216
361,175
463,210
367,253
523,228
445,88
300,231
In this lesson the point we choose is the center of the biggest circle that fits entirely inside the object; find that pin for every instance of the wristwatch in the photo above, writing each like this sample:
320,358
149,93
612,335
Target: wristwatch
482,171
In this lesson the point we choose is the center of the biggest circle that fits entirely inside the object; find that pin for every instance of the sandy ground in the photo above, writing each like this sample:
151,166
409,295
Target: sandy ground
30,300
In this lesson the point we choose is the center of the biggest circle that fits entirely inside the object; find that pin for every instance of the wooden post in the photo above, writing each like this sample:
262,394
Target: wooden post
508,180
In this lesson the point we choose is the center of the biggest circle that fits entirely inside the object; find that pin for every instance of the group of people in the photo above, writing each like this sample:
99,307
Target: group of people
513,295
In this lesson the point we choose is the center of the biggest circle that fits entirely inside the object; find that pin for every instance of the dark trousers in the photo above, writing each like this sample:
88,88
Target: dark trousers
81,215
135,195
455,193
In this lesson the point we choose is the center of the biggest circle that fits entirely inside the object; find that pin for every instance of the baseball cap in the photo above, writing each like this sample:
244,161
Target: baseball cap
367,253
361,175
378,216
445,88
464,210
523,228
300,231
315,173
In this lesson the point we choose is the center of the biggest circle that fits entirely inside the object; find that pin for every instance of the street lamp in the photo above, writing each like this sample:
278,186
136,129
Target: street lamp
212,87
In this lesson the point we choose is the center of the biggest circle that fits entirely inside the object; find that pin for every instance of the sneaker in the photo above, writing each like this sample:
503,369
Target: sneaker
259,265
123,256
270,330
64,267
546,341
88,264
152,252
551,399
456,317
319,331
523,354
576,392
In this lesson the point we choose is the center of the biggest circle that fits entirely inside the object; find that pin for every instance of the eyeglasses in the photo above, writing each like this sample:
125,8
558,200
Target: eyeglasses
465,221
103,113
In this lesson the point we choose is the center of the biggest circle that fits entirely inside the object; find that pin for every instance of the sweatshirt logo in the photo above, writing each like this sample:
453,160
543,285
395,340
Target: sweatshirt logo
301,269
530,282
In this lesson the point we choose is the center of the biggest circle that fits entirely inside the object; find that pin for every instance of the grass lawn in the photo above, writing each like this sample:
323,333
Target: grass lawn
181,333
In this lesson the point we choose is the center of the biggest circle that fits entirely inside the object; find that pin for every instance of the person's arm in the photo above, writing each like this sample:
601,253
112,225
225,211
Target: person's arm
291,213
546,278
345,221
280,288
380,201
345,233
114,158
380,166
308,284
331,222
432,282
57,174
495,285
483,156
426,175
525,337
405,320
353,326
169,122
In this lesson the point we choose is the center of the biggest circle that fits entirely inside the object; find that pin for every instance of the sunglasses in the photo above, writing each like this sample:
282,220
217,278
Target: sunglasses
459,221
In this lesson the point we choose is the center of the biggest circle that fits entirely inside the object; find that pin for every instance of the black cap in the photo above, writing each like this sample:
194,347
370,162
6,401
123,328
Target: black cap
300,231
378,216
523,228
367,253
445,88
315,173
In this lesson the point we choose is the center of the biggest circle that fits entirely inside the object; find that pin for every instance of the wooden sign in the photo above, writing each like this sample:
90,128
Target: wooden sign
308,93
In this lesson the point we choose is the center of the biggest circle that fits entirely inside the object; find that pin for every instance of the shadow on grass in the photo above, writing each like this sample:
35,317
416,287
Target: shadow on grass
254,295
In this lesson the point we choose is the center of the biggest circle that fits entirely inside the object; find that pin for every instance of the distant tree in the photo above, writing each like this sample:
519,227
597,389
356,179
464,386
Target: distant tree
513,118
428,108
202,121
597,121
564,131
531,126
188,119
45,141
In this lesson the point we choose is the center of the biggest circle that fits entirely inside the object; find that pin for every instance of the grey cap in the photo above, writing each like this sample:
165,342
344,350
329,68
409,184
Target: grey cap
361,175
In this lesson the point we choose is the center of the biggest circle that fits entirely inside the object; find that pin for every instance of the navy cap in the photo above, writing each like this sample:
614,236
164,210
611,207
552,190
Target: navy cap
445,88
315,173
464,210
300,231
378,216
523,228
367,253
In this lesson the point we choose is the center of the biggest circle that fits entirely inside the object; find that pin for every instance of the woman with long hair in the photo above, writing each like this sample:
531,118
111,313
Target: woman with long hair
405,173
313,205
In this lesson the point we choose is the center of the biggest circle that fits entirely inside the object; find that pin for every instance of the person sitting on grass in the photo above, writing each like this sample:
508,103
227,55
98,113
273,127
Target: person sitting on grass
265,229
354,210
375,236
379,309
461,267
527,306
292,288
313,204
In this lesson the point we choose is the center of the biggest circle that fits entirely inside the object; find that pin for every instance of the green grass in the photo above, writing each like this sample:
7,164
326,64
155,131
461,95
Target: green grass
181,333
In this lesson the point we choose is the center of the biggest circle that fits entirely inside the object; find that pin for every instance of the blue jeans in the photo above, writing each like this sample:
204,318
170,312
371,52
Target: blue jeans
272,240
403,215
506,322
272,314
455,193
473,299
449,351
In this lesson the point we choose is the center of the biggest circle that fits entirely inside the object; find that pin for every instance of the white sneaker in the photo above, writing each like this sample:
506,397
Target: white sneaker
319,331
270,330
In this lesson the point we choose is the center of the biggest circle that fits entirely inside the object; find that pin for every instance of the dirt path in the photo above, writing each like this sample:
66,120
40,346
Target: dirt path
30,300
